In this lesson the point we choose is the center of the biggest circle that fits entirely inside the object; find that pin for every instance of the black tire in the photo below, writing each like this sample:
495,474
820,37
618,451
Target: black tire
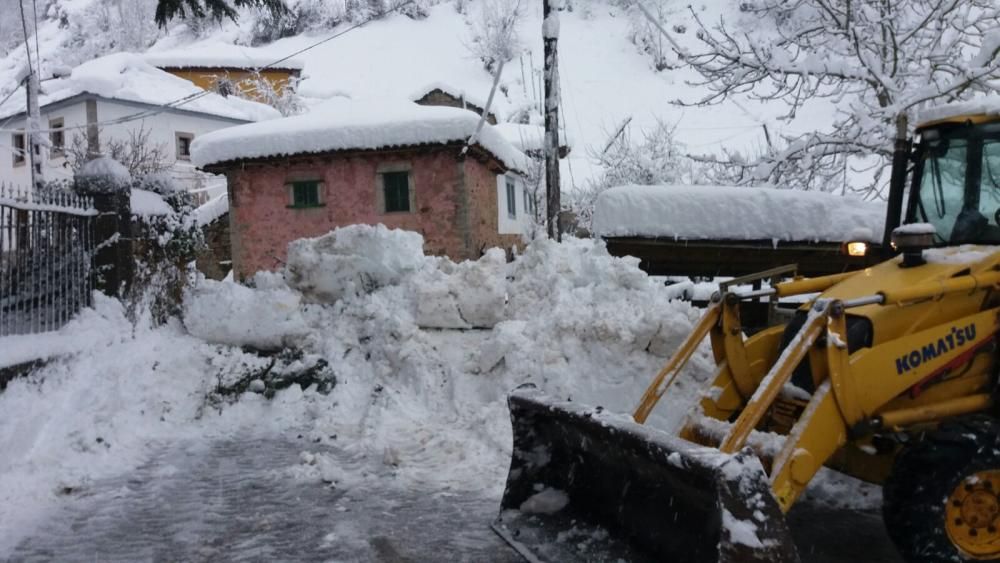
924,475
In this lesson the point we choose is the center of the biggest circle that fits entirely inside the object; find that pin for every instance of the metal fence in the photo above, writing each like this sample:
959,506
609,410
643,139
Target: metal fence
47,243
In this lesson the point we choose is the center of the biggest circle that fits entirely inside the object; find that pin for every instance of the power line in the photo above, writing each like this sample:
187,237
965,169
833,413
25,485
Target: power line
192,97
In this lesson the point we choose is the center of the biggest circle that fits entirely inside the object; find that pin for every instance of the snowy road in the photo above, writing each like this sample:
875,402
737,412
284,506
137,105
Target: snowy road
234,501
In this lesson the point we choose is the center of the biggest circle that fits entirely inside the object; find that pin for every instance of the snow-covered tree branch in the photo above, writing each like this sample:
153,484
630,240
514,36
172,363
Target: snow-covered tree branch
878,60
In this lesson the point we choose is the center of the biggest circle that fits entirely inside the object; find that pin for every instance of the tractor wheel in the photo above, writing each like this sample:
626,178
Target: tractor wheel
941,503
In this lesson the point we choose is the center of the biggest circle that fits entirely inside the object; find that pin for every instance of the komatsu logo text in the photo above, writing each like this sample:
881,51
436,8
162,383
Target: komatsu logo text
956,338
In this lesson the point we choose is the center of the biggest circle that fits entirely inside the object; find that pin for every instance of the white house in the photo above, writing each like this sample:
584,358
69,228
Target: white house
115,98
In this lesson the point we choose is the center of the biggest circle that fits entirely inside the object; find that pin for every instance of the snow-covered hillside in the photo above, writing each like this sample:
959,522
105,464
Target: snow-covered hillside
605,78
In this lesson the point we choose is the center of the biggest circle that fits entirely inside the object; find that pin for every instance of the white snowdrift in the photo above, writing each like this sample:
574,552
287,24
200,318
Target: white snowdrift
352,260
344,125
413,408
228,313
732,213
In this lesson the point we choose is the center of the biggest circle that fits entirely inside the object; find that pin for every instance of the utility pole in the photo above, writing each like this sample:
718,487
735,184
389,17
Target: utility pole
34,137
550,41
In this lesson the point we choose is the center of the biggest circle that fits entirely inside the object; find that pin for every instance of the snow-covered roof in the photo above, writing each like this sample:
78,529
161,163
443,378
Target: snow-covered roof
127,77
987,105
451,91
735,213
216,54
347,125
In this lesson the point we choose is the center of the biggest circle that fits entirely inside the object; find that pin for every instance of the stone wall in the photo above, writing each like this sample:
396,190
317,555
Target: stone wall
215,260
455,222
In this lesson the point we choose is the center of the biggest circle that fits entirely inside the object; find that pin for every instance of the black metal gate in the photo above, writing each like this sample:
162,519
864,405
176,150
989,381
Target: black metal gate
46,247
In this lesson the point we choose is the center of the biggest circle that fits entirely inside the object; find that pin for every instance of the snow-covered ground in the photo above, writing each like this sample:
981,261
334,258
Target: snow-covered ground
417,405
430,402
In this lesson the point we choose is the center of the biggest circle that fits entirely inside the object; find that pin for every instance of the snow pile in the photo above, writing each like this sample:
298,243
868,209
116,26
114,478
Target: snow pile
217,54
127,77
229,313
345,125
351,260
465,295
732,213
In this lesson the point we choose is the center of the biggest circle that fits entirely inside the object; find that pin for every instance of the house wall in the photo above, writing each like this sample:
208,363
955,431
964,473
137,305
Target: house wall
55,168
162,127
455,222
518,224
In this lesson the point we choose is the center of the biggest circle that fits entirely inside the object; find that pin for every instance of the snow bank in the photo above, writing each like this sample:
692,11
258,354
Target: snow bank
216,54
345,125
731,213
352,260
413,408
127,77
228,313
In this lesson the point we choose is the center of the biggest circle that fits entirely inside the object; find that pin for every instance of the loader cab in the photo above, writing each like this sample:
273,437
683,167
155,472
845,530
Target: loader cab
956,180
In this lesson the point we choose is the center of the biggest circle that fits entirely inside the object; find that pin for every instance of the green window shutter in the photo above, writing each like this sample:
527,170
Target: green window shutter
305,194
511,199
397,191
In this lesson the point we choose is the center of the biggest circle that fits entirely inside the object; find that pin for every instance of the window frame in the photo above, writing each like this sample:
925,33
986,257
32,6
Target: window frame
292,187
20,152
381,204
511,186
178,137
57,128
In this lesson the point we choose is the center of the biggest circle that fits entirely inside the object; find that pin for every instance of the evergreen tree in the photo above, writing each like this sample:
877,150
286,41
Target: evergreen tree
166,10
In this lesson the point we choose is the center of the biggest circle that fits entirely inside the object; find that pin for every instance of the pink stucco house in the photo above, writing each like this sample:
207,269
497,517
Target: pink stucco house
405,166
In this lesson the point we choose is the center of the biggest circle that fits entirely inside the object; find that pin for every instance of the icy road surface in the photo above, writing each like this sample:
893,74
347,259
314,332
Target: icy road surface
233,501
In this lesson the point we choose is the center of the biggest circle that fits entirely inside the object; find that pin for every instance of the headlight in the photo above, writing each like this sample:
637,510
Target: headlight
857,248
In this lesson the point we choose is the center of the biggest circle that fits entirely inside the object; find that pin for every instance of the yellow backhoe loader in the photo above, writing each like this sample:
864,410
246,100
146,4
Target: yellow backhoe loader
888,374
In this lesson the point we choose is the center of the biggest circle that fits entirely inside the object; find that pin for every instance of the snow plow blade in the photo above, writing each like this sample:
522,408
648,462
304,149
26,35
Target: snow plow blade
587,485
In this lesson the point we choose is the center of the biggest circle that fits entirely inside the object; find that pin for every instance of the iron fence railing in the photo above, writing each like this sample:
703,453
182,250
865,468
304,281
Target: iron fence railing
47,243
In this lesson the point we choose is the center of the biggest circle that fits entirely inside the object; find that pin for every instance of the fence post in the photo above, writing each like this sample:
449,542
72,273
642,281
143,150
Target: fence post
114,267
109,185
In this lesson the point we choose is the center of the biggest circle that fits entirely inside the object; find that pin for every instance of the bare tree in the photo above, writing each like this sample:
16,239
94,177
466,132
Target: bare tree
495,39
655,157
137,153
878,60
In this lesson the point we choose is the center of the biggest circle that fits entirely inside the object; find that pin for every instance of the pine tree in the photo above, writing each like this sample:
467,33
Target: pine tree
166,10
